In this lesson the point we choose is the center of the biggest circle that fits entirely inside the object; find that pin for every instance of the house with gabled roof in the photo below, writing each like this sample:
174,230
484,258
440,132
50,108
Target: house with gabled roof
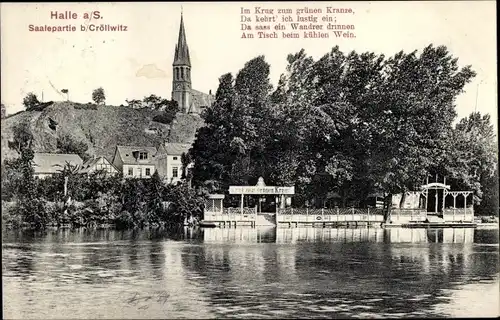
135,161
98,164
169,161
48,164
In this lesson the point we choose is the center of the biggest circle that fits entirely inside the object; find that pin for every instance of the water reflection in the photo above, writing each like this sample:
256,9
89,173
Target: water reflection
248,273
344,235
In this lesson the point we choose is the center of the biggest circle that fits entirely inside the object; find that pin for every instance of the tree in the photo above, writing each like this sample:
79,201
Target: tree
186,161
472,159
416,107
186,203
168,108
354,123
489,204
252,87
30,101
99,96
19,171
3,112
212,160
20,181
134,103
154,195
317,137
67,144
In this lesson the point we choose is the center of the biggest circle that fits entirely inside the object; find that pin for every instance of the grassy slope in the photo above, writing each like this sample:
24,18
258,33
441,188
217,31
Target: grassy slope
101,129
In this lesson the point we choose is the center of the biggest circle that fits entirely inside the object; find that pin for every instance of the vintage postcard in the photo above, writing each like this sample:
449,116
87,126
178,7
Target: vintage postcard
213,160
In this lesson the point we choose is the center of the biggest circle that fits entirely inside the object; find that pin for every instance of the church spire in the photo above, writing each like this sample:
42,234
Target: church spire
181,49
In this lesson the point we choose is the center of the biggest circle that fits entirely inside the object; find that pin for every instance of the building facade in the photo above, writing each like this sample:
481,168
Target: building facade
189,100
169,161
99,164
135,161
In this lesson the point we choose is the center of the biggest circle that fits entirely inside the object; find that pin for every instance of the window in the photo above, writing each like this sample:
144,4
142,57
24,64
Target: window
130,171
175,172
148,171
143,155
175,158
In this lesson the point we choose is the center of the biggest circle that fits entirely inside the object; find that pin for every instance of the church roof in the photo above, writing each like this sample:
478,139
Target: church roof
181,49
200,100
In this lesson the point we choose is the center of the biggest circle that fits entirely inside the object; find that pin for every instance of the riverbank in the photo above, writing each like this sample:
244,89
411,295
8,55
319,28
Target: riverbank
91,214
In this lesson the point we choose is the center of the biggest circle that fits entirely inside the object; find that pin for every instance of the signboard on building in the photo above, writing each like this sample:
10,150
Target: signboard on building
261,190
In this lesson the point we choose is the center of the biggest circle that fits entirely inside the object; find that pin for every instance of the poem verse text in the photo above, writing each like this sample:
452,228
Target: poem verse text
319,22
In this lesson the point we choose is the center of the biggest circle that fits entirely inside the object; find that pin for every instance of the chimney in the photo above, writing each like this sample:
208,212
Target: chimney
210,92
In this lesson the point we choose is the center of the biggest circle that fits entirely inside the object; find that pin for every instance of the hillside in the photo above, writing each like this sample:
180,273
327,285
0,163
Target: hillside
100,127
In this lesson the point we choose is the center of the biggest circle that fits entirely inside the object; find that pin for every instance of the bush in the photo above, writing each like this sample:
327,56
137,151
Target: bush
32,212
186,203
30,101
125,220
8,214
165,117
53,211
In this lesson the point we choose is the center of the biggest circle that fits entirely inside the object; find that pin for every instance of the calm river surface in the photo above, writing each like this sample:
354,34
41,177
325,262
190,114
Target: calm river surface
251,273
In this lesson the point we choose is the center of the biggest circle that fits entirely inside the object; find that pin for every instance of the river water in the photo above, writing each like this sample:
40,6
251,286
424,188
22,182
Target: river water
251,273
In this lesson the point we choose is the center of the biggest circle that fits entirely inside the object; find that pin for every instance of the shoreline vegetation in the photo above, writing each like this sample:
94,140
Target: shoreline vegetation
99,200
339,129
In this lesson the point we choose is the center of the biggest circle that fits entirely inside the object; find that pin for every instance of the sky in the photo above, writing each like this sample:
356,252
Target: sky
138,62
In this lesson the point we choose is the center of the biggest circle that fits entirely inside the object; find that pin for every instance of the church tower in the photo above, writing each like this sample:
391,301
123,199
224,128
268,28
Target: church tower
181,80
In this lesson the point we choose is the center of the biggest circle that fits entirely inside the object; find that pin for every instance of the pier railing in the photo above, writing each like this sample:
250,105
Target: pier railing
459,214
448,215
312,215
237,211
334,211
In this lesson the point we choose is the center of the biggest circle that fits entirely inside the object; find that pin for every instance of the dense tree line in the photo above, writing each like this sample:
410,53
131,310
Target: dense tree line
354,124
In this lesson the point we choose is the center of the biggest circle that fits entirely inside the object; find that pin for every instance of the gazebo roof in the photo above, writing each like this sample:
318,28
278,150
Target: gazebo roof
436,185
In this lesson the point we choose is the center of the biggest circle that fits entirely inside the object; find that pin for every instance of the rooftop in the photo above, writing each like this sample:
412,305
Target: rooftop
92,162
54,162
200,100
177,148
126,153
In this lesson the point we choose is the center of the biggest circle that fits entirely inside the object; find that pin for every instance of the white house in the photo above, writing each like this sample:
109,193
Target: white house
47,164
98,164
135,162
169,161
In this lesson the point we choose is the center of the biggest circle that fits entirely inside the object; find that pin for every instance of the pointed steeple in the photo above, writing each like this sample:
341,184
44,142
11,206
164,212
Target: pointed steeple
181,49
